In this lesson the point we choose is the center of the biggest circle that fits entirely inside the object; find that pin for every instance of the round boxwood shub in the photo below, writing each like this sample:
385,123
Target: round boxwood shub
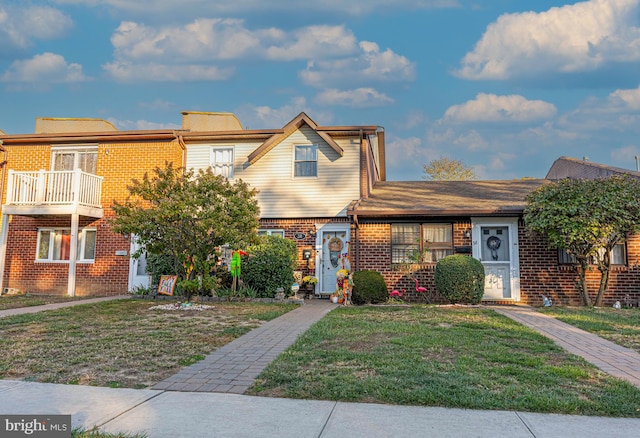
368,288
460,279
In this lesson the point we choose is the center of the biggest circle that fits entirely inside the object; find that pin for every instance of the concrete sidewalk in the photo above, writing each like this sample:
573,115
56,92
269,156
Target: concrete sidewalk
173,414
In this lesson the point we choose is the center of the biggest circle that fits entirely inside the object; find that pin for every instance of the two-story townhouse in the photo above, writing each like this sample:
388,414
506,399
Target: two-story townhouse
61,181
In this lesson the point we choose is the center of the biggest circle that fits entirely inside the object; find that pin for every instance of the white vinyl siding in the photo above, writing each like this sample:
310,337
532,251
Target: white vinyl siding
281,195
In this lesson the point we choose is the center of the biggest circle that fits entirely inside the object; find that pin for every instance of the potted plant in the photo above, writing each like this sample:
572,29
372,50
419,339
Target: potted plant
309,284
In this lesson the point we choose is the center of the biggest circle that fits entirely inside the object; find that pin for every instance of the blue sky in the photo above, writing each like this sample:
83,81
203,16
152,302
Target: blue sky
506,86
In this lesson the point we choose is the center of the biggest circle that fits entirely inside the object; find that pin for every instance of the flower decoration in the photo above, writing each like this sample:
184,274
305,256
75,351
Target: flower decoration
309,280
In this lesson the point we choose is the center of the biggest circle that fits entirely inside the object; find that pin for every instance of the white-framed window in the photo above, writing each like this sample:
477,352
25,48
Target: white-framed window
305,161
430,241
618,256
271,232
222,161
54,245
84,158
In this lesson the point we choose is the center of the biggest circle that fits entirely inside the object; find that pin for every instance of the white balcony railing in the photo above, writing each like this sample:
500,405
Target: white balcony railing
54,188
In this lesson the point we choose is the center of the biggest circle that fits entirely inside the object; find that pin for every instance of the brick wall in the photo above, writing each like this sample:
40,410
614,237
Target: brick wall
118,163
306,226
374,253
540,272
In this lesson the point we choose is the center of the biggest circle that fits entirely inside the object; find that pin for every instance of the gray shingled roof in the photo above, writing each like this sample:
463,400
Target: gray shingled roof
439,198
567,167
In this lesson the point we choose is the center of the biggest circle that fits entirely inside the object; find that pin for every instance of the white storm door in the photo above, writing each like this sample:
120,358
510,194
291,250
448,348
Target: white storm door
495,245
332,256
138,276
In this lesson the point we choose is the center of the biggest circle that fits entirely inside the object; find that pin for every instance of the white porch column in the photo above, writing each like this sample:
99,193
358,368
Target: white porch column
73,255
4,234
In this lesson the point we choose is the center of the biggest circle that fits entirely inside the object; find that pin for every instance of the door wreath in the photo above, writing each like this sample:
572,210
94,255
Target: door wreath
493,243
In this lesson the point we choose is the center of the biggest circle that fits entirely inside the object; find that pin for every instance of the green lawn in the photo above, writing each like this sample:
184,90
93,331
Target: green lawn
621,326
441,356
121,343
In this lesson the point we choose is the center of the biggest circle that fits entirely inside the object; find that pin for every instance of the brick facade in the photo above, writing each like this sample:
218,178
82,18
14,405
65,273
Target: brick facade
118,163
540,272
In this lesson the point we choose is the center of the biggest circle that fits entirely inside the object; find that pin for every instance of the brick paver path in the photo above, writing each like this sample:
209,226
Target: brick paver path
611,358
233,367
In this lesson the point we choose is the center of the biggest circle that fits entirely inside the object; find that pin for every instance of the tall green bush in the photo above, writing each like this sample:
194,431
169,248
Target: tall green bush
368,288
270,265
460,279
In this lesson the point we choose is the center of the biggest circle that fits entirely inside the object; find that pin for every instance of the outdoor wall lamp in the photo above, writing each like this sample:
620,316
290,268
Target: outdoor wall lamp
467,234
306,254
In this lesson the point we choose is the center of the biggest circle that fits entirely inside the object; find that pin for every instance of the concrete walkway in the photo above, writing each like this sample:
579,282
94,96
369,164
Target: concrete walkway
611,358
54,306
233,367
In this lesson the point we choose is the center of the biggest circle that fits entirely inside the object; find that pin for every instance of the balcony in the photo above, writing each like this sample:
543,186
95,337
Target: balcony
53,193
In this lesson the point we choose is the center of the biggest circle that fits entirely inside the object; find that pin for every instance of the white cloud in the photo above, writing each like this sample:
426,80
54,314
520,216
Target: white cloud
358,98
493,108
314,41
262,116
629,98
172,7
127,71
20,26
401,151
135,125
48,68
626,154
370,66
572,38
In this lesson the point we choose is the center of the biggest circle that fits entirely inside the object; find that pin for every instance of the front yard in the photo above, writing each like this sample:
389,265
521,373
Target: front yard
459,357
122,343
441,356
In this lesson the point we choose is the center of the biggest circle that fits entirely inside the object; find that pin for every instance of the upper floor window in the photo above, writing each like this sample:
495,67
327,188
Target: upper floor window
55,244
270,232
305,161
83,158
222,161
618,256
427,242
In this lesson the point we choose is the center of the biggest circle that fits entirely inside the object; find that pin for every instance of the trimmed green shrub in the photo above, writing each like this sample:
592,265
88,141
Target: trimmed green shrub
460,279
368,288
270,265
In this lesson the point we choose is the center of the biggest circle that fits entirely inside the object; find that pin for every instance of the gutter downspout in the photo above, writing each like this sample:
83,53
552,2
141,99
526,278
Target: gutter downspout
357,232
5,220
183,146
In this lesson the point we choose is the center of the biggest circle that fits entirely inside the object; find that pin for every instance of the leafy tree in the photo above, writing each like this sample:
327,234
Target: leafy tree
188,215
587,218
446,169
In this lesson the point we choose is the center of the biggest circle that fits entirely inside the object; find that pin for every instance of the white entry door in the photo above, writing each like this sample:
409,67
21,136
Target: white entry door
495,244
138,276
333,255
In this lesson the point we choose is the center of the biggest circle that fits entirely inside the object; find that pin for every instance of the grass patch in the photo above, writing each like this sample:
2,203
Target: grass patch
467,358
16,301
82,433
621,326
121,343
